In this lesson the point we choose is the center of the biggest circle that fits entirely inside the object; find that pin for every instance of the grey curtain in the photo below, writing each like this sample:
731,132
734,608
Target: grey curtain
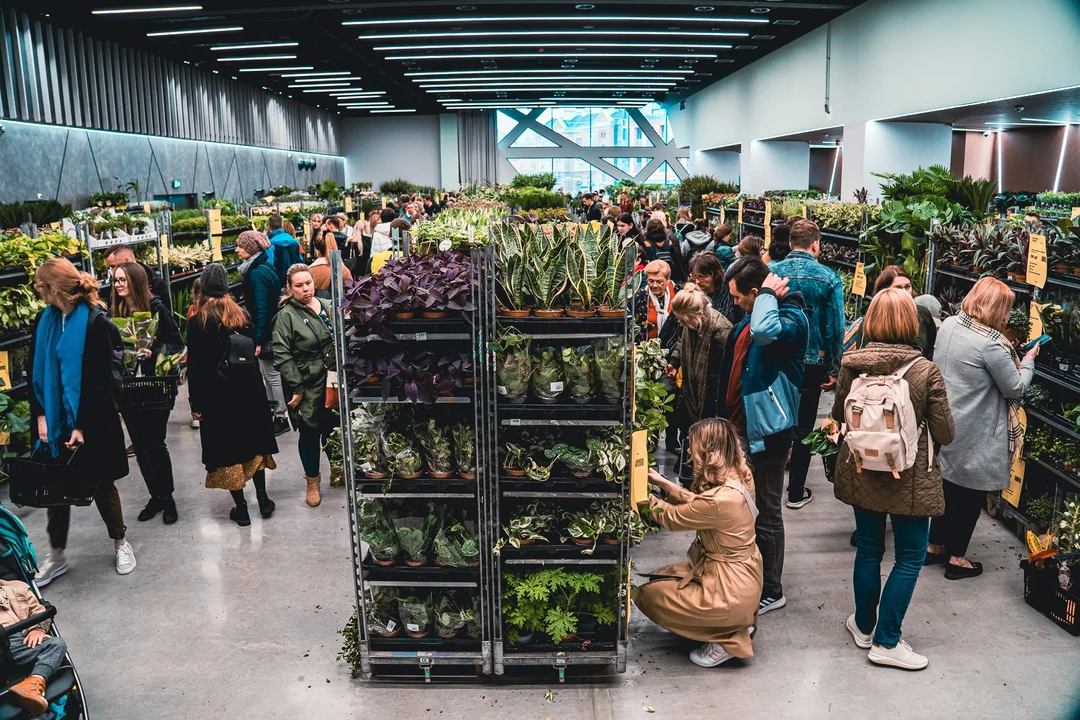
478,148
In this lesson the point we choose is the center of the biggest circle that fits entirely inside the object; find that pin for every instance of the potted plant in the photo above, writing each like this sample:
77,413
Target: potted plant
581,270
510,278
434,440
578,365
473,628
545,268
450,617
515,460
412,378
588,528
553,601
464,450
537,472
414,536
548,375
609,451
416,613
1018,325
578,460
367,452
456,368
402,458
376,529
525,529
456,545
609,356
381,612
513,365
611,289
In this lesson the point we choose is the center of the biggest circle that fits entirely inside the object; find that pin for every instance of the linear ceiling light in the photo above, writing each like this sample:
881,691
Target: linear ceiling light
399,110
432,82
443,73
561,81
560,18
196,31
316,91
532,33
319,85
317,74
1061,158
704,56
345,94
317,80
544,89
248,58
276,69
524,46
370,104
253,46
163,8
591,99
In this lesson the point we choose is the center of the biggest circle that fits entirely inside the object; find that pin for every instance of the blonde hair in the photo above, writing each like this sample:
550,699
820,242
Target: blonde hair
294,269
989,302
66,283
891,318
683,213
658,266
689,302
717,456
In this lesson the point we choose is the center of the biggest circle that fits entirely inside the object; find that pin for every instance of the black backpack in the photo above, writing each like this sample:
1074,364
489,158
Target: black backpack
237,351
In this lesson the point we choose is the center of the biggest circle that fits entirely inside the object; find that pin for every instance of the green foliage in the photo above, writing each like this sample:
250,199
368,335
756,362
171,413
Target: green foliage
39,212
530,523
1059,199
692,188
396,187
577,459
464,448
544,181
375,527
578,364
350,647
333,449
330,191
553,600
610,355
414,534
456,544
610,451
513,363
434,440
1037,396
137,333
450,616
515,458
402,455
19,305
842,217
1040,511
416,613
532,198
548,374
23,251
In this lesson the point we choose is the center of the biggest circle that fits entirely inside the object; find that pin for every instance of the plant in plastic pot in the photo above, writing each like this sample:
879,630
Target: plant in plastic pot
578,460
553,601
545,267
538,472
513,365
464,438
414,536
457,368
368,455
510,279
578,365
549,378
515,460
137,333
412,378
402,457
456,545
473,627
610,451
609,369
333,449
376,529
588,528
416,613
382,617
450,617
530,523
434,440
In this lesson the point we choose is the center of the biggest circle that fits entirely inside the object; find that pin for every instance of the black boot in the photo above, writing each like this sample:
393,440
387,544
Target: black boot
151,510
266,505
168,512
239,514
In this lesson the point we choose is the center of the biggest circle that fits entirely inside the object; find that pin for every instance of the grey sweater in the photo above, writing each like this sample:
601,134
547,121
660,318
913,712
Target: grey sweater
980,377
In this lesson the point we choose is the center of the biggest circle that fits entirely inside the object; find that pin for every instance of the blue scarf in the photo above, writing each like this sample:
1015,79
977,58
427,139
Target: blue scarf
58,358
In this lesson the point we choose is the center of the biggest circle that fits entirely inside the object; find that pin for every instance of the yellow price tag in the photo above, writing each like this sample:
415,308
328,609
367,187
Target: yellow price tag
1035,324
740,212
54,226
215,245
1011,494
768,223
804,212
307,229
146,207
348,203
858,285
1036,267
164,249
384,202
639,468
215,221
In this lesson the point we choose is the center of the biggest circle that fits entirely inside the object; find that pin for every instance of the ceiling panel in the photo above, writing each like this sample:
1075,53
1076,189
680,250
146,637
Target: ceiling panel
426,56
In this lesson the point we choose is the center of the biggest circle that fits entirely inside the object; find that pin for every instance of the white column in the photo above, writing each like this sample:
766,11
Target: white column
891,147
448,152
721,164
775,165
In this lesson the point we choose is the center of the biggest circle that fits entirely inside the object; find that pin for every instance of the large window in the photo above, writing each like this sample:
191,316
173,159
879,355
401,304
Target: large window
589,148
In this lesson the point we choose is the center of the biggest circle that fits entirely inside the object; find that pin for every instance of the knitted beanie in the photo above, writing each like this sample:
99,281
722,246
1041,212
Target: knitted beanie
252,241
214,281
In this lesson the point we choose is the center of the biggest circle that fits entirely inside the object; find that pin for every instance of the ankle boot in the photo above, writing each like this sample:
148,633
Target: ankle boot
313,496
266,505
239,515
30,695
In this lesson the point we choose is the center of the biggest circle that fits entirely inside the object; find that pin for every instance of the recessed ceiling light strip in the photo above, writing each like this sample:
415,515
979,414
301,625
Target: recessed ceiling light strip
398,110
251,58
666,20
275,69
531,33
550,88
524,46
316,91
432,82
443,73
705,56
130,11
253,46
196,31
317,74
319,85
569,83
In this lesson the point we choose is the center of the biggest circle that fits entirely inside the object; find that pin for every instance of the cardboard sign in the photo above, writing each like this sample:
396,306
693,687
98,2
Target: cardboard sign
1011,494
146,207
164,249
307,229
768,223
384,203
639,468
348,203
723,215
804,212
1036,267
5,385
1035,326
858,285
740,212
1075,213
215,221
215,246
54,226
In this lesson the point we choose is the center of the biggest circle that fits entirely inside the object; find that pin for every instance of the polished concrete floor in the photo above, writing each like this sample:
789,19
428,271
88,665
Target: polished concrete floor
222,621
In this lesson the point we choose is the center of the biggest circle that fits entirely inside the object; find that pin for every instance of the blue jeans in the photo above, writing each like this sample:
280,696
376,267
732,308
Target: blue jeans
872,605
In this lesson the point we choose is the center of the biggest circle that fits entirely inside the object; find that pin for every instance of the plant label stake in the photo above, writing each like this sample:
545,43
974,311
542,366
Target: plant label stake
146,207
164,249
858,285
1036,266
214,218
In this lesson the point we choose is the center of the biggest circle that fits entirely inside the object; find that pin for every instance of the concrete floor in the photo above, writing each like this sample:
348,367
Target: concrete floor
222,621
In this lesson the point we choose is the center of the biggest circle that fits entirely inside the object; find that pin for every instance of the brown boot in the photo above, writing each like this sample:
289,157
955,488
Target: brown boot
313,496
337,477
30,695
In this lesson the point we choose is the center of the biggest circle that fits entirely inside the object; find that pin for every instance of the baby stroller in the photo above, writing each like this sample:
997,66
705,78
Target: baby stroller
64,690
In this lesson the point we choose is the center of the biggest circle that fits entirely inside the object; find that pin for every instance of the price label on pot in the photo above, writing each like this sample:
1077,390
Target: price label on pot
215,244
502,390
146,207
556,387
1035,327
412,627
366,467
446,245
164,248
858,285
390,626
1036,267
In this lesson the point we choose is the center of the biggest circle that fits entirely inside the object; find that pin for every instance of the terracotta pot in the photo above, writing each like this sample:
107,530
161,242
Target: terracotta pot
440,475
417,635
386,563
1018,277
410,476
549,314
404,315
451,636
571,312
1076,271
506,312
609,313
372,379
415,563
390,635
515,473
375,475
581,473
467,476
527,542
439,562
609,541
568,638
1063,268
433,314
976,269
581,541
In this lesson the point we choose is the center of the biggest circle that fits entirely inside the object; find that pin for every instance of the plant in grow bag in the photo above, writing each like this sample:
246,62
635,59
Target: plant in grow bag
382,617
414,536
450,617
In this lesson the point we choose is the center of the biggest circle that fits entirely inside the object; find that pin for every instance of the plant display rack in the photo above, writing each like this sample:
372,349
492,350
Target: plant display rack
463,334
159,224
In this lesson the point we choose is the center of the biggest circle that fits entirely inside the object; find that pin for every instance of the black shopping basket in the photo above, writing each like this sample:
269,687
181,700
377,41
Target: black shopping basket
1043,592
154,392
40,480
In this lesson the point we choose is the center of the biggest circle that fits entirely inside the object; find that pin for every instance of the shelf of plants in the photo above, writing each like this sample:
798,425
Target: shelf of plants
558,495
410,335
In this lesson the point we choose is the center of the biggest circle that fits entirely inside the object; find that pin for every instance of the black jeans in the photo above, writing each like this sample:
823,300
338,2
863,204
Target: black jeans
108,504
954,529
147,430
813,377
768,469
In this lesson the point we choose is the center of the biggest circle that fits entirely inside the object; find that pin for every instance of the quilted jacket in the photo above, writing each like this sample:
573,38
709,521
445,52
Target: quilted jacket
918,491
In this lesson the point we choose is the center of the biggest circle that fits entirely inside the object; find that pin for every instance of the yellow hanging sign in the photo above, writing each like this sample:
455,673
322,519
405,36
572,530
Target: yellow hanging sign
1035,324
164,249
768,223
723,215
639,468
307,228
215,246
858,285
1075,213
384,202
146,207
804,212
348,203
740,212
1036,267
215,221
1011,494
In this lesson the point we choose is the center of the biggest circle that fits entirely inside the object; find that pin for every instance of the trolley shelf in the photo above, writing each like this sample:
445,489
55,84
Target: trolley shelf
569,414
421,487
1053,421
972,277
1067,477
566,328
840,238
1057,378
839,263
374,395
567,487
13,275
557,553
14,337
403,644
1069,281
430,575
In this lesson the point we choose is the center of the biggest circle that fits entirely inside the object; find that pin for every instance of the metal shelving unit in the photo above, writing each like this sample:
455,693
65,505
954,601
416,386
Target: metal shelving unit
466,334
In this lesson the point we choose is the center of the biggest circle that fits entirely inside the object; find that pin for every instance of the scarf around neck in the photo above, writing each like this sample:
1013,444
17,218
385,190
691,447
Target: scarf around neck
58,354
1016,429
696,344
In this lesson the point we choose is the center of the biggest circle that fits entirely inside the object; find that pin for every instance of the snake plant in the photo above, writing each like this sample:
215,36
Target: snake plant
546,265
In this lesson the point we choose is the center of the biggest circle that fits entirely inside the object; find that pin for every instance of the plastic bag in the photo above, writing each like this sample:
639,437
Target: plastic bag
375,525
416,613
382,617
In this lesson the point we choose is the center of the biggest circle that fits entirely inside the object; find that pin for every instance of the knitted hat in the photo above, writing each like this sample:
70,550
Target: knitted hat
215,281
252,241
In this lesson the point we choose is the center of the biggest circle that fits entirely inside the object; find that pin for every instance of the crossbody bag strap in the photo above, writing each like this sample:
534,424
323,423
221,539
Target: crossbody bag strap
735,484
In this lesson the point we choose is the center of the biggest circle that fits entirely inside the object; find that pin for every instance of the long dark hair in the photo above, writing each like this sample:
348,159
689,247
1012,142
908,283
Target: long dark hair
138,297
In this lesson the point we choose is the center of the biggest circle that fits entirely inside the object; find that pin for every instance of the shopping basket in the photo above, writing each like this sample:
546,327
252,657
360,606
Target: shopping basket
1043,592
40,480
154,392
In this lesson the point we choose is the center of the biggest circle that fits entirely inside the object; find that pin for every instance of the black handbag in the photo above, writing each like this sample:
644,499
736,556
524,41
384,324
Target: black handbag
40,480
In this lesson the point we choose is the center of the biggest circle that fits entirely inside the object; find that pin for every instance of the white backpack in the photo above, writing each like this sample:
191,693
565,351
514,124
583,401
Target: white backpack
879,423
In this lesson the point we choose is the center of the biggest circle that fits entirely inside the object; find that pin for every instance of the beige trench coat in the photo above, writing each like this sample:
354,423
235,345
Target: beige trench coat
714,596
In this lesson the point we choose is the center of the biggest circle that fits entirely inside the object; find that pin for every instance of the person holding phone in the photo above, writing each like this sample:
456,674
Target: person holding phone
72,407
985,379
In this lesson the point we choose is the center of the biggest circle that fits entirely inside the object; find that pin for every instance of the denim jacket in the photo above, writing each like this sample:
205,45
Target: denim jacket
772,372
823,292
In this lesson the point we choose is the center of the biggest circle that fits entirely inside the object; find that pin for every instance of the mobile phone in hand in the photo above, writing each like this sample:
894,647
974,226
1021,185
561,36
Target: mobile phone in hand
1037,341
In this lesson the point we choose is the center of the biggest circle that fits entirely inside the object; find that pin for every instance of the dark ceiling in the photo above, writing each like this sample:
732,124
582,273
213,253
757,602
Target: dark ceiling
412,56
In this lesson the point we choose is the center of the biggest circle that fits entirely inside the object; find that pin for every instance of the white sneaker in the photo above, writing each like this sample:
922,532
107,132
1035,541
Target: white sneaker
125,558
901,656
709,655
863,640
49,571
194,424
